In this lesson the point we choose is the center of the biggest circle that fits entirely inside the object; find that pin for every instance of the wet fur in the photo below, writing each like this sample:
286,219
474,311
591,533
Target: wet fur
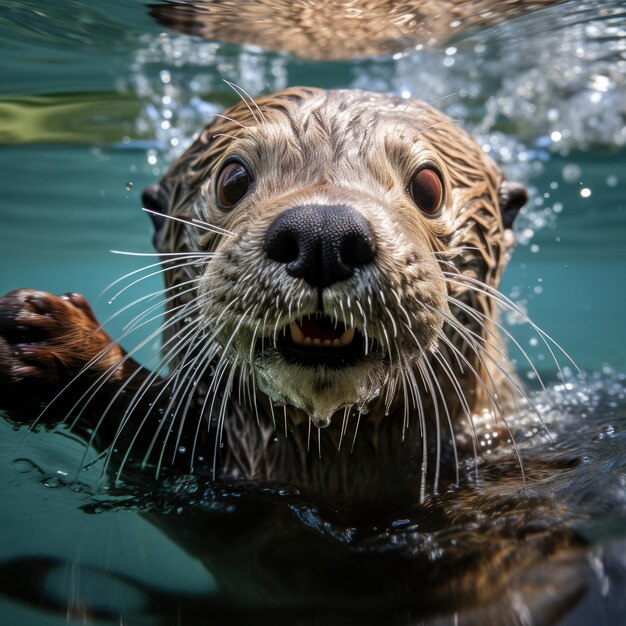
404,415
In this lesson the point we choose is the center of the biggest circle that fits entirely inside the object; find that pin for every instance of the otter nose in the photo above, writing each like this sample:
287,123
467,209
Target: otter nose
322,244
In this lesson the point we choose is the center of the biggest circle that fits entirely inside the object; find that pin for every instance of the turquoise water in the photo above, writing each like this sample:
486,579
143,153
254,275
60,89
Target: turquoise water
95,101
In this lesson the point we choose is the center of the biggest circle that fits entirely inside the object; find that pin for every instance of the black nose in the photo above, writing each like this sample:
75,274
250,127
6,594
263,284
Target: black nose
322,244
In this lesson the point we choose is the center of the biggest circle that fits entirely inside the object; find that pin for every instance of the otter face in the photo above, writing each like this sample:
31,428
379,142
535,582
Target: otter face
336,219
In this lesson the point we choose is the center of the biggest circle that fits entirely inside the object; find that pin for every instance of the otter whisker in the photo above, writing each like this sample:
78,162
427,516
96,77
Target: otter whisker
254,401
200,368
480,318
201,413
253,340
393,322
364,318
356,430
204,362
230,119
344,424
87,366
319,443
493,398
470,343
196,374
467,332
144,388
423,428
148,297
233,137
273,414
200,361
446,409
197,258
222,413
456,386
102,380
193,222
509,304
180,255
146,385
245,97
150,275
182,310
217,377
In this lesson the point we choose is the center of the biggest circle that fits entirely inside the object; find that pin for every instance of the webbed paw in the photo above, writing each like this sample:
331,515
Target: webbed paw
45,341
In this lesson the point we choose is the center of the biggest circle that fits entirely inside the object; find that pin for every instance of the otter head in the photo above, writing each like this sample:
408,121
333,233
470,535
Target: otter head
322,238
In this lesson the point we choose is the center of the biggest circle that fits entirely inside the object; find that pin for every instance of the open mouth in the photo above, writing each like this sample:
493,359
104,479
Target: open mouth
313,331
317,340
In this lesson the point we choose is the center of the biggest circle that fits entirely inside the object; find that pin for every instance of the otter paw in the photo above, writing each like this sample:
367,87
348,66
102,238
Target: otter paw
45,340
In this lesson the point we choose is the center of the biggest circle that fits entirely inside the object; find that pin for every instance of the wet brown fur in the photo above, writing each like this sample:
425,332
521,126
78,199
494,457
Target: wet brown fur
309,145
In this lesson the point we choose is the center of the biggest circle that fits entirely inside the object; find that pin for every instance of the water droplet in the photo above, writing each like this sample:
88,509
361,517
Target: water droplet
182,449
128,186
585,192
612,180
52,482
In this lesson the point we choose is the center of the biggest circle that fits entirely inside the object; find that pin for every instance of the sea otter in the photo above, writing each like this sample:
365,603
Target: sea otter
331,261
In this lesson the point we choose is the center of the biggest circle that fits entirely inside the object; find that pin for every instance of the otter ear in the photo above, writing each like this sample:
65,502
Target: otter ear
156,199
513,197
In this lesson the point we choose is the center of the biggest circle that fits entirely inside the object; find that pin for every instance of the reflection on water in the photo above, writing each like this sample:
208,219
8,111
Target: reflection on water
538,90
326,30
191,550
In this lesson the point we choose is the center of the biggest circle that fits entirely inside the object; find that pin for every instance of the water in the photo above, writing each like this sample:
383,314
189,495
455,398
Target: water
95,101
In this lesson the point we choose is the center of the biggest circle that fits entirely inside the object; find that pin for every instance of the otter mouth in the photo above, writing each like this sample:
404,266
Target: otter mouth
318,340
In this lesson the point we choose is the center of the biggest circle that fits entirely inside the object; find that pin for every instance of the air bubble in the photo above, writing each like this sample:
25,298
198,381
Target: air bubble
128,186
571,173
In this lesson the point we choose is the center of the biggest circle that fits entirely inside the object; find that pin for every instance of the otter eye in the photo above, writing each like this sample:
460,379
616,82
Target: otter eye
426,189
233,183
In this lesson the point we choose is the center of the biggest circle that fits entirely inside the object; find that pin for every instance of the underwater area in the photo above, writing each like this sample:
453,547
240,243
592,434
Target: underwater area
96,101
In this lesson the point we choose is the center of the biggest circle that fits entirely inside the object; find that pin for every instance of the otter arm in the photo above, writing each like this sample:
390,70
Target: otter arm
52,348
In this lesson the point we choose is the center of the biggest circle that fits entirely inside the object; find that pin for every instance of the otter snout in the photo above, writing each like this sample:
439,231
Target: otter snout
323,244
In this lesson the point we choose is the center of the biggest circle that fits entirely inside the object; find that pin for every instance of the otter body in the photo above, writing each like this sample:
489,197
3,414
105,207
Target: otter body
331,262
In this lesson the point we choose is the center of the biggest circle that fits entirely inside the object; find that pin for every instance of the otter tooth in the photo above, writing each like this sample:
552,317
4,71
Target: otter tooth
335,343
316,341
297,336
326,342
307,341
347,338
